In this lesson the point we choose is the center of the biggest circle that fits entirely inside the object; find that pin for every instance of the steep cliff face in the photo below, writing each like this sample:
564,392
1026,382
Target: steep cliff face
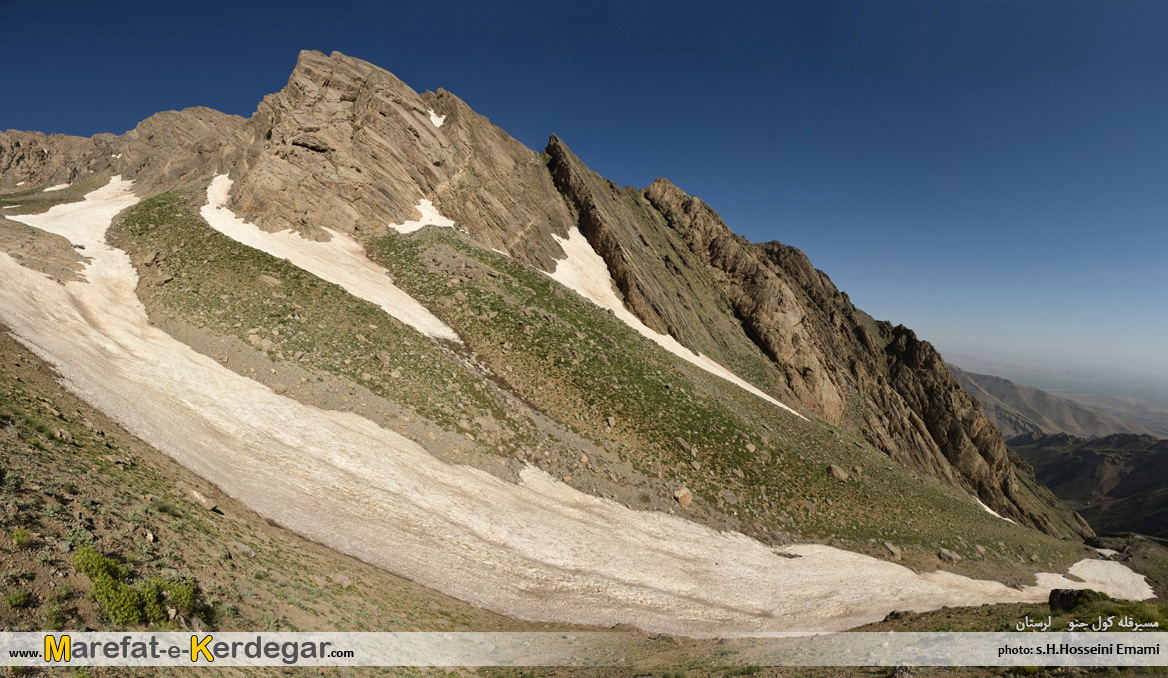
770,311
668,285
172,148
877,379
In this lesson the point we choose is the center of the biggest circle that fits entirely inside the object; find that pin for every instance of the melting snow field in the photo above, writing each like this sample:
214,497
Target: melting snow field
58,187
341,261
585,271
435,118
430,217
535,550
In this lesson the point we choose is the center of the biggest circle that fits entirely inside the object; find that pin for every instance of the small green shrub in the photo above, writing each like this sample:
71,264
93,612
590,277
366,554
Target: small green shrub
63,594
183,595
78,536
126,604
18,599
55,615
94,565
121,601
168,508
21,537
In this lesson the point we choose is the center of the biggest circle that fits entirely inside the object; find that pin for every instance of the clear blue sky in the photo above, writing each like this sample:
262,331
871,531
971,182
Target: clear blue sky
992,174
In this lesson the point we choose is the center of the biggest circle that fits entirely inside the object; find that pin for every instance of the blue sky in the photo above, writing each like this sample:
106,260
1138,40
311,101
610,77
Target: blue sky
992,174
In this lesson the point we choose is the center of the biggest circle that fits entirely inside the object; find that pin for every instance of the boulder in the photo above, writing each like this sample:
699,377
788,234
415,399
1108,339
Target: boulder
1065,600
948,556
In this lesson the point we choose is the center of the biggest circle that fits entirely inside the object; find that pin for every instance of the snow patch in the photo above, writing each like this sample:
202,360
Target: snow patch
1110,553
539,550
584,271
435,118
10,207
341,261
992,512
58,187
430,217
20,183
116,155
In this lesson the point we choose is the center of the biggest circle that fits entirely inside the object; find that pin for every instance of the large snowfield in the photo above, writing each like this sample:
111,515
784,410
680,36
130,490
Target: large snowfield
537,550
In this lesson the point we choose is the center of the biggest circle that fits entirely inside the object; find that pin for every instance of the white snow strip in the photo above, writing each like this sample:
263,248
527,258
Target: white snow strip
430,217
1110,553
11,207
58,187
435,118
116,155
538,550
584,271
992,512
20,183
341,261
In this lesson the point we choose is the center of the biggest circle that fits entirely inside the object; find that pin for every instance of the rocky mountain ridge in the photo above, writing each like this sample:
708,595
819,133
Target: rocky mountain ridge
347,147
1016,409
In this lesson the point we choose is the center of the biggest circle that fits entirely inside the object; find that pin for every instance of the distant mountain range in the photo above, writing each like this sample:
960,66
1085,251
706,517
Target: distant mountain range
1117,483
1018,410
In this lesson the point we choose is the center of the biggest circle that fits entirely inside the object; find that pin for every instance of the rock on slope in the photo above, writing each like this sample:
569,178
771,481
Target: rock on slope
348,147
1016,409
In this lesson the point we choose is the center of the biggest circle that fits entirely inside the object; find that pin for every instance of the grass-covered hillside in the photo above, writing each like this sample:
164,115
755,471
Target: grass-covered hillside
548,378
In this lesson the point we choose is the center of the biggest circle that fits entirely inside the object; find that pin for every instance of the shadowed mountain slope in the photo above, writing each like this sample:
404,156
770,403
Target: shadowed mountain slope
1119,482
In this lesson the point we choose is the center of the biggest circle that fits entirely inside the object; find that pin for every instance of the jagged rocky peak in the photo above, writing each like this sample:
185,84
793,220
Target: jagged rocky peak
770,310
349,147
173,148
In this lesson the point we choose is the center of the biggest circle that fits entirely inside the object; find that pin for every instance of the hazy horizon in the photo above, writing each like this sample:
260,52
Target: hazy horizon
990,174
